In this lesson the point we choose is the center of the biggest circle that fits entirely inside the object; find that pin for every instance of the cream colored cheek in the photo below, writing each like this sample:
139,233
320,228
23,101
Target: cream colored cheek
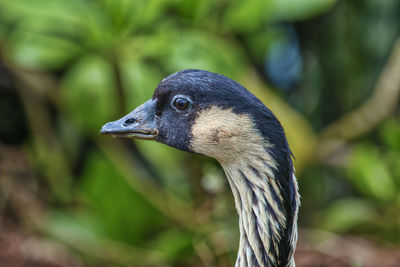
223,134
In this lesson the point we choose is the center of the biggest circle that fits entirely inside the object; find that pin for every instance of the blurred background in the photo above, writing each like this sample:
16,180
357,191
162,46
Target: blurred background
330,71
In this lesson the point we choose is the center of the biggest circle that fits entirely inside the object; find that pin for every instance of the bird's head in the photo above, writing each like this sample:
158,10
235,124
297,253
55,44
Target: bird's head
205,113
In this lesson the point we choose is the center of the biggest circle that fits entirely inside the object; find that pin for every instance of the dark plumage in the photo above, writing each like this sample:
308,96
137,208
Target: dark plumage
208,113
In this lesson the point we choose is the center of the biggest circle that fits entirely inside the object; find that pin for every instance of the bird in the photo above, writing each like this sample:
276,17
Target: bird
208,113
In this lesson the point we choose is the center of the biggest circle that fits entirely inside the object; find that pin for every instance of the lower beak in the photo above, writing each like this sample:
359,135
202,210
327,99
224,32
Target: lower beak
140,123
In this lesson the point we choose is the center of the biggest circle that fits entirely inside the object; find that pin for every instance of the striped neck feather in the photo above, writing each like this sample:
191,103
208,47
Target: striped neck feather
268,228
261,178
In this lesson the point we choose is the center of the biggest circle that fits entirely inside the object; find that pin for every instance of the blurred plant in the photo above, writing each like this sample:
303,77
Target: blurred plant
374,173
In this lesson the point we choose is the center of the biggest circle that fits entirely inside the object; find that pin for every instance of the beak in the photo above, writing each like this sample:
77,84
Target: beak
140,123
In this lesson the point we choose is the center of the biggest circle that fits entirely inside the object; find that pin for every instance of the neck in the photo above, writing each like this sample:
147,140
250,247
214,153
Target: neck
267,205
260,173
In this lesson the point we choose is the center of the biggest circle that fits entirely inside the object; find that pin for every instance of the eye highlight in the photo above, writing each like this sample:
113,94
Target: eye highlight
181,103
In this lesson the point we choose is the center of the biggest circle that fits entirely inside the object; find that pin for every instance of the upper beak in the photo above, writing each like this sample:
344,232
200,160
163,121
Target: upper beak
140,123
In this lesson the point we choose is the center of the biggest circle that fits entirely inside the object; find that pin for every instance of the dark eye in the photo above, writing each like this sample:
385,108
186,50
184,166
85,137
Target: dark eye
181,103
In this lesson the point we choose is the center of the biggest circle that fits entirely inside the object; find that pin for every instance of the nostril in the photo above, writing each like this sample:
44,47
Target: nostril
129,121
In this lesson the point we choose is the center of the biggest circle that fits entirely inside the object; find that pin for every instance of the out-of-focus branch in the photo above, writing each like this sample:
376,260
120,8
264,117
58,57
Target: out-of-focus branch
379,106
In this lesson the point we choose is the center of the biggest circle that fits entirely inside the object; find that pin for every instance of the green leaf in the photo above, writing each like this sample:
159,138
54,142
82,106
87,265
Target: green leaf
175,243
40,52
127,15
390,133
247,16
370,174
89,94
84,22
196,9
85,238
139,81
123,213
200,50
345,214
169,164
69,11
294,10
55,27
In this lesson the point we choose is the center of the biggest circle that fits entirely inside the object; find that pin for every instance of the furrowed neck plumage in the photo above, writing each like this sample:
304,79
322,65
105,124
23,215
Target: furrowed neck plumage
266,197
268,234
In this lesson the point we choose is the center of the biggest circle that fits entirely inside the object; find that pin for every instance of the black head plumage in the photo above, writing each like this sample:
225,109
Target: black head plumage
204,89
211,89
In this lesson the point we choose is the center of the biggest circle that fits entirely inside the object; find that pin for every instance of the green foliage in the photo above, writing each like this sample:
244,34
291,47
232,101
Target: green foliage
346,213
373,171
370,175
88,93
390,134
290,10
180,249
123,213
39,51
141,78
